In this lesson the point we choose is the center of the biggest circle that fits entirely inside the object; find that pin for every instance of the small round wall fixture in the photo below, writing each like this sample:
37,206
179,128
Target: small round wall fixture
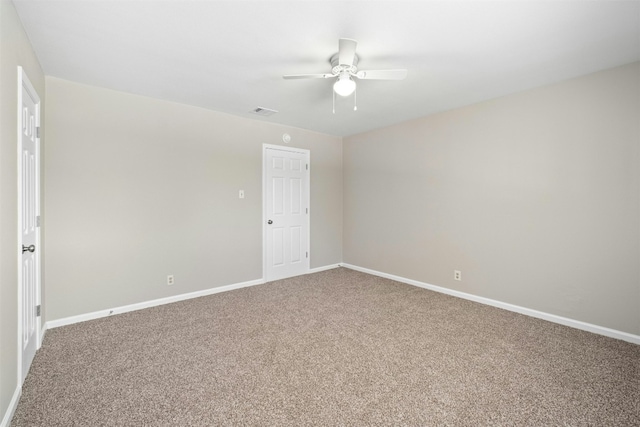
286,138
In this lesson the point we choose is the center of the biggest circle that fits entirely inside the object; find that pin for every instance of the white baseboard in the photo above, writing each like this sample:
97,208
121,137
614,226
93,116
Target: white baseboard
6,419
601,330
326,267
139,306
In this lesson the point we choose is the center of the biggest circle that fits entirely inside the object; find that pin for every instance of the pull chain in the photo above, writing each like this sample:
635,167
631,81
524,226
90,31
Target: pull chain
355,99
334,101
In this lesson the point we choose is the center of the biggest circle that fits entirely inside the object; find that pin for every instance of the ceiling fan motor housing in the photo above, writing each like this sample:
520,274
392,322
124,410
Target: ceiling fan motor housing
337,68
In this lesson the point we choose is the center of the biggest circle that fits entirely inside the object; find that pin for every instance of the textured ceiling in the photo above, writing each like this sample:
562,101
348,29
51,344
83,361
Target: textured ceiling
230,56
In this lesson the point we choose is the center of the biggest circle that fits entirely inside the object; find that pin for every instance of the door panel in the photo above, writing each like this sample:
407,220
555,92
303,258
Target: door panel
278,196
295,184
296,244
278,246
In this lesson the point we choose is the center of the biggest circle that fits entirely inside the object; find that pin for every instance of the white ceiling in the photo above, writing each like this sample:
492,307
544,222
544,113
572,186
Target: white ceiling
230,56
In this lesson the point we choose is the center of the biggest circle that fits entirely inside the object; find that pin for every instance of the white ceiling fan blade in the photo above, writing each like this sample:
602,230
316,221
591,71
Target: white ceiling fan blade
346,51
382,74
309,76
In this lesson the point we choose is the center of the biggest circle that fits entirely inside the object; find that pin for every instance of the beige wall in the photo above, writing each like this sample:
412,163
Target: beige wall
15,50
534,196
138,188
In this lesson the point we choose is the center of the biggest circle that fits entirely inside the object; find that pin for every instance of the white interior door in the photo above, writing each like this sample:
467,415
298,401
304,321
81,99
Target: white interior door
286,212
28,205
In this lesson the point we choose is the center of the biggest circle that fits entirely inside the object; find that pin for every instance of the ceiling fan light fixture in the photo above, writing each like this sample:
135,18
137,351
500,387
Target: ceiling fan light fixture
344,68
345,85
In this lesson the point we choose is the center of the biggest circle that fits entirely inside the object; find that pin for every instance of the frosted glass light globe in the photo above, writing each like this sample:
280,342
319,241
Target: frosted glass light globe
345,85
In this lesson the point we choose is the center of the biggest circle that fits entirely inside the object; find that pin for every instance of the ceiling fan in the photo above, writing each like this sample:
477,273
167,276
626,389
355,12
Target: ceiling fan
344,67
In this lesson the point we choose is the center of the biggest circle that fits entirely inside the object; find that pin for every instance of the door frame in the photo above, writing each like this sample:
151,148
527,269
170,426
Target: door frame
24,82
307,153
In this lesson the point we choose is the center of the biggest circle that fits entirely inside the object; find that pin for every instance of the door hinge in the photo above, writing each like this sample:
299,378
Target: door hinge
38,310
38,221
307,209
38,132
307,254
307,165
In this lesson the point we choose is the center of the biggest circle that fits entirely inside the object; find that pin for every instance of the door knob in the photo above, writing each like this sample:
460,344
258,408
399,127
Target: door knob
269,222
31,248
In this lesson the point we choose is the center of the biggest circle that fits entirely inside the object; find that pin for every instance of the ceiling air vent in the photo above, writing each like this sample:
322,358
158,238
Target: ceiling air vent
265,112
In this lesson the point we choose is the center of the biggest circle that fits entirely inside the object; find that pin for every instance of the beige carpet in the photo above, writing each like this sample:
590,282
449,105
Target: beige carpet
333,348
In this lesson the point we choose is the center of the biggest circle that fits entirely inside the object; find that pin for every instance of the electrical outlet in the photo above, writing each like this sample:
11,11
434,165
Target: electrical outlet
457,275
170,280
241,194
